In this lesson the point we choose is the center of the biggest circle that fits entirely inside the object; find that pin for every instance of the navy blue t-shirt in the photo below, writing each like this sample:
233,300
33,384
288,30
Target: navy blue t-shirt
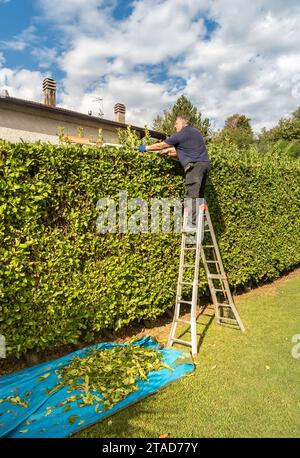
189,145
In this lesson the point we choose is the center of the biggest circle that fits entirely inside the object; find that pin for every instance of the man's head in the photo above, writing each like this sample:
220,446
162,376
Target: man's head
181,122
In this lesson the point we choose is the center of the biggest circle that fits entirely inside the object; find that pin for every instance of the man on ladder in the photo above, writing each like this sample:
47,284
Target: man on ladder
190,149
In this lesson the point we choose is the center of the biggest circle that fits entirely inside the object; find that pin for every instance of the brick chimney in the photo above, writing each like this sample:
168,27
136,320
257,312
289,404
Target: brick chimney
120,111
49,89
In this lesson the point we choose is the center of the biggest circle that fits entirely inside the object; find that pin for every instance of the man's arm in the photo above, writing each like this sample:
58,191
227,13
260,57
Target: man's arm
157,146
169,142
169,150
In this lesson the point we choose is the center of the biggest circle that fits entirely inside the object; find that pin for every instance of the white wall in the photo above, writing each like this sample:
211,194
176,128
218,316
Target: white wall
30,125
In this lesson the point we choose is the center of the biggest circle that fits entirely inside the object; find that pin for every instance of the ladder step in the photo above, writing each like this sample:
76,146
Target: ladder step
188,265
184,302
228,319
216,276
192,248
219,290
224,304
186,283
208,246
212,262
184,342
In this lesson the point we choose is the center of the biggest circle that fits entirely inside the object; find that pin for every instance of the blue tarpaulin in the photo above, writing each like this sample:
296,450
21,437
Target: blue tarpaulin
43,414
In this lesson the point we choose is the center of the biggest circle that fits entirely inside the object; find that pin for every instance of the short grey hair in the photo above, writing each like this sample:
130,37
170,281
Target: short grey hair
184,118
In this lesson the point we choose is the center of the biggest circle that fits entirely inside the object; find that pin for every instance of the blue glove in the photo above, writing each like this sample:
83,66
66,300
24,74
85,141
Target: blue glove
142,148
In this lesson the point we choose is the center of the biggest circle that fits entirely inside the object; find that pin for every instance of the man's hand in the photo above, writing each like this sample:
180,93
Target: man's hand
162,147
172,152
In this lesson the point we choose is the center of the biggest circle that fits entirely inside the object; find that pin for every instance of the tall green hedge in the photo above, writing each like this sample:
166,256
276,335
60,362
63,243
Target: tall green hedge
60,280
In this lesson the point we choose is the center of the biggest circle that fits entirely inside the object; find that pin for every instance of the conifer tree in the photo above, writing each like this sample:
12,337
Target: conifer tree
182,107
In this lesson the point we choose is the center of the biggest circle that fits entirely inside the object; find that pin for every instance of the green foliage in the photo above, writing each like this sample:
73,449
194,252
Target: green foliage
288,148
287,129
285,135
296,114
182,107
274,141
61,134
238,129
112,373
237,121
80,131
100,136
60,280
128,137
257,212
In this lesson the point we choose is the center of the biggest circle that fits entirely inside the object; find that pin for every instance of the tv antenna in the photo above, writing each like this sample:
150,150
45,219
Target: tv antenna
100,107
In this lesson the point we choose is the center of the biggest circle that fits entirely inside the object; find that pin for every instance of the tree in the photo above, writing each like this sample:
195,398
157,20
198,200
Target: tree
238,128
182,107
285,136
286,129
296,114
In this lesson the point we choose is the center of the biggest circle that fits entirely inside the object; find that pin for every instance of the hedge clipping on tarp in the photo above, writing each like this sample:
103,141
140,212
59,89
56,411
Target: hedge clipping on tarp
37,402
61,280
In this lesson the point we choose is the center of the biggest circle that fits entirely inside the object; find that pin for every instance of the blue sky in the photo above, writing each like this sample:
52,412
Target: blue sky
227,56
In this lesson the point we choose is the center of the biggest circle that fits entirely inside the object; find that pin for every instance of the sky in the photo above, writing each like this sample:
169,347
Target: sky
226,56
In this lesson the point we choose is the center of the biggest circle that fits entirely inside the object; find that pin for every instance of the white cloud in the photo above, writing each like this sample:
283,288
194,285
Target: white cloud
107,56
250,63
2,58
77,16
46,57
146,38
23,83
21,41
127,90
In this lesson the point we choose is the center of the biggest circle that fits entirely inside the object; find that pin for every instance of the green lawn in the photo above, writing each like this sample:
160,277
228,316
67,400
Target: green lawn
245,385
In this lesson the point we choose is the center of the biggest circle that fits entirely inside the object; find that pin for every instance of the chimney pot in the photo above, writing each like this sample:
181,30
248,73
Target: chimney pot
49,89
120,111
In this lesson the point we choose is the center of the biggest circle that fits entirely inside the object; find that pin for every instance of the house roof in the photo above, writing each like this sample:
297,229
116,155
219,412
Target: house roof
21,103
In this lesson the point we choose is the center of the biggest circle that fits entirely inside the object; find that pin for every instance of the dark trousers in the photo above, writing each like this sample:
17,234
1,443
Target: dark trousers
195,181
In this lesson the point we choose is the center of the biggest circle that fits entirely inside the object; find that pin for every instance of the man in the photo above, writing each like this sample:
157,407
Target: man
189,147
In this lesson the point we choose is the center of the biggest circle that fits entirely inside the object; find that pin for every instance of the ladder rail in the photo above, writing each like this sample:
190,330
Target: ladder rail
180,273
233,307
210,285
199,235
178,293
221,270
215,243
219,267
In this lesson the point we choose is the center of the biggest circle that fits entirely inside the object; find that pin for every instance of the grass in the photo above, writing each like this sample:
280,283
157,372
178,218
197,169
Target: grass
245,385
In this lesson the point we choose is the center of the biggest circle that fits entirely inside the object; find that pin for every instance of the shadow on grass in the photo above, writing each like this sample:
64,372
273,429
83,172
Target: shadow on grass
204,319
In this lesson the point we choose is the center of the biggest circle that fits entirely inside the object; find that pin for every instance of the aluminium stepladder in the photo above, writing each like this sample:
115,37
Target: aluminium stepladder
203,246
